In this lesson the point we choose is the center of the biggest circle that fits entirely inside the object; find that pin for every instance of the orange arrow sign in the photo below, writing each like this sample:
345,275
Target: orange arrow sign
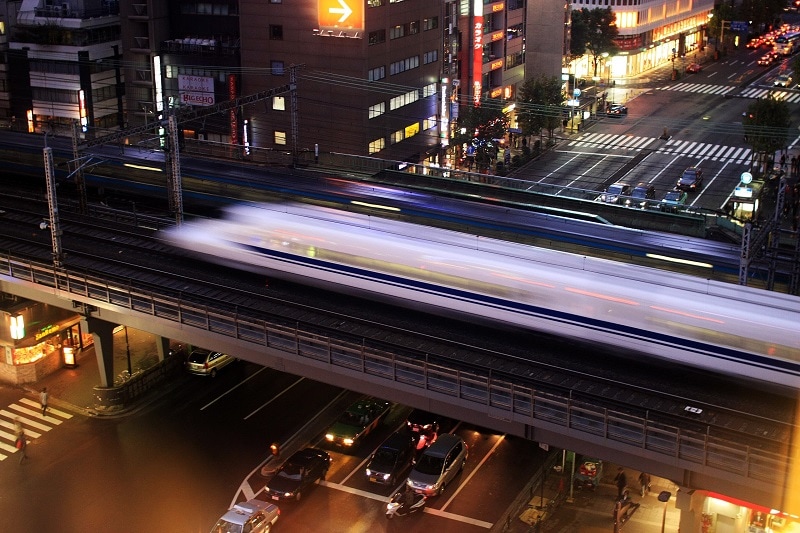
341,14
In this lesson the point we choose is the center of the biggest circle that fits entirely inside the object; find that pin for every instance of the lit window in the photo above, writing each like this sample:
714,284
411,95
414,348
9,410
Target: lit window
280,137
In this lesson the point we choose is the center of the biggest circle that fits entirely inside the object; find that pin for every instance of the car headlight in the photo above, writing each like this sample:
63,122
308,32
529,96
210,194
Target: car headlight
329,436
287,494
348,442
369,472
386,477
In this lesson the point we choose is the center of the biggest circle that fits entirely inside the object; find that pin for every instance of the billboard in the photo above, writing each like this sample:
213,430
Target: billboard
196,90
347,15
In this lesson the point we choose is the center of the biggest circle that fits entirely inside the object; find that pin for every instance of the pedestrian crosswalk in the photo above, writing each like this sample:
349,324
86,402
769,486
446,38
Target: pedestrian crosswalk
28,413
751,92
707,151
702,88
778,94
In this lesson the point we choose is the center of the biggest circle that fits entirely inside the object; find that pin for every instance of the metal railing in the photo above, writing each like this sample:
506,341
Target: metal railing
519,401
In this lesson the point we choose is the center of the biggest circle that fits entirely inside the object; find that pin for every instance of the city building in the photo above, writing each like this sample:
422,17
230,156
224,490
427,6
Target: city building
63,65
651,32
370,76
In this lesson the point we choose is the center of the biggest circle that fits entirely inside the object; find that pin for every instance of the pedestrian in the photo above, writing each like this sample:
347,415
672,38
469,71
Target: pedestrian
794,165
644,481
621,481
43,400
21,443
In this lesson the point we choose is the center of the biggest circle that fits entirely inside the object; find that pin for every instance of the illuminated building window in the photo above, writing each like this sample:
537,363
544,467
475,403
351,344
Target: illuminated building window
280,137
404,99
377,110
377,73
430,57
430,122
397,31
429,90
377,145
403,65
278,68
279,103
397,136
374,3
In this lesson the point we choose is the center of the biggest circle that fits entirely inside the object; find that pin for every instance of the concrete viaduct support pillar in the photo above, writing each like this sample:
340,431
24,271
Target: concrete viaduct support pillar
162,346
103,334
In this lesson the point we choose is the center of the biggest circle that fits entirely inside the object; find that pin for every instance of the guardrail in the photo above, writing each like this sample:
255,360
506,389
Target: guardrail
519,400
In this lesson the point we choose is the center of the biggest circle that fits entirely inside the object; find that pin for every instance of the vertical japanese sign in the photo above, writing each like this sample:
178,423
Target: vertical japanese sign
477,51
234,120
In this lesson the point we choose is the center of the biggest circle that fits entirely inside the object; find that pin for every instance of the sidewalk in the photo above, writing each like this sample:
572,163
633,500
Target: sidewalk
591,510
73,388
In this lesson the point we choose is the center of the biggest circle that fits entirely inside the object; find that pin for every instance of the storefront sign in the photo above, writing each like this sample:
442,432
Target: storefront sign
196,90
477,51
232,113
45,331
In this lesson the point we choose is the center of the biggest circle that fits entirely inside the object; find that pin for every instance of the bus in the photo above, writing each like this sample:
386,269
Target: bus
787,43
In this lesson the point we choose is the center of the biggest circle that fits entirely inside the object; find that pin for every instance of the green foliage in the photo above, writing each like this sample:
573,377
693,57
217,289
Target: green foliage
539,104
482,124
596,32
757,12
795,65
766,125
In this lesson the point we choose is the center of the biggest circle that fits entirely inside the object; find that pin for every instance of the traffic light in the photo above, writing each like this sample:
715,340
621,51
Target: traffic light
275,449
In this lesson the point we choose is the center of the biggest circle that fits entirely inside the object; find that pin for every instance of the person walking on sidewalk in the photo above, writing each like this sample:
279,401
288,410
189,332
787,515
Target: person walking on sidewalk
621,481
644,481
43,400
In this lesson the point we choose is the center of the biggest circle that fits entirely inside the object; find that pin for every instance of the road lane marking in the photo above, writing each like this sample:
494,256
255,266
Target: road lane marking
474,471
26,421
284,391
385,499
209,404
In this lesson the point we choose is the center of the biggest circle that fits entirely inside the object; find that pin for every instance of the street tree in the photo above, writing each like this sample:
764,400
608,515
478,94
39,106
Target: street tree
479,126
539,105
760,14
596,33
766,127
723,14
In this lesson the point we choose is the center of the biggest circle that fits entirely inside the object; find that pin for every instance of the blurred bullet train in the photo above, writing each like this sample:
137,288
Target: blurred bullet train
722,327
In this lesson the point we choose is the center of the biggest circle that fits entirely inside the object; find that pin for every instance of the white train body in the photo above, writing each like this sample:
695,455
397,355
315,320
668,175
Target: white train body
722,327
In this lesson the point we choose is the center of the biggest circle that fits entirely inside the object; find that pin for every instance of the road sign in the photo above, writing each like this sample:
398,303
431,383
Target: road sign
739,25
340,14
576,93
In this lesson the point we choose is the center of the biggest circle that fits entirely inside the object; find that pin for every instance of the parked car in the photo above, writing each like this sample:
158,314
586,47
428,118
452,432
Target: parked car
784,80
358,421
690,180
392,458
614,194
207,363
616,110
693,68
252,516
438,465
297,474
673,201
640,195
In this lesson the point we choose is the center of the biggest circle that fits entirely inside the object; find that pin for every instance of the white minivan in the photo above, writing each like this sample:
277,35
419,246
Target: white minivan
438,465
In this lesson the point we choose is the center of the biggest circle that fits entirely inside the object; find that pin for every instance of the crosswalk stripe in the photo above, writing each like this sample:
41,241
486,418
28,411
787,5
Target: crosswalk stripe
751,92
30,419
29,432
25,421
53,410
715,152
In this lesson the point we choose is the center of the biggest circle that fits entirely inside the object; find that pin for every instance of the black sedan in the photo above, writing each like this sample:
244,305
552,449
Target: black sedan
302,470
640,195
616,110
690,180
394,457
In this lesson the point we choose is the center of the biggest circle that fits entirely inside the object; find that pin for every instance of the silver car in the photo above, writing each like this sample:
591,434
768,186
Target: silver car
253,516
206,363
438,465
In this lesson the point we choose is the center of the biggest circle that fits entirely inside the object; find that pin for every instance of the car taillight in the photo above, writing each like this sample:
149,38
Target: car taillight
205,365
